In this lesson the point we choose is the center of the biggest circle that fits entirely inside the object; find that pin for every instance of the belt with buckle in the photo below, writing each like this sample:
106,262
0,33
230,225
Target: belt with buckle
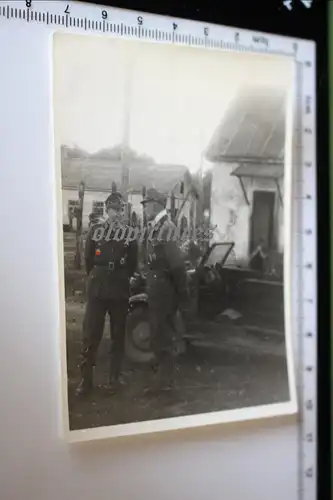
111,265
108,265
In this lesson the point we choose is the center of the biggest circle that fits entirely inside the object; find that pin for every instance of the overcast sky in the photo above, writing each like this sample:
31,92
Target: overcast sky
176,96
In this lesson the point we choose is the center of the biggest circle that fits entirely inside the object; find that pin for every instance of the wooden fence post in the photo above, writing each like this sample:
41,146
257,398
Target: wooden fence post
144,228
79,217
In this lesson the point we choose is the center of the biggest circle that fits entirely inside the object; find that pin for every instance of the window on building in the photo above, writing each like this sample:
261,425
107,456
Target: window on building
72,204
98,208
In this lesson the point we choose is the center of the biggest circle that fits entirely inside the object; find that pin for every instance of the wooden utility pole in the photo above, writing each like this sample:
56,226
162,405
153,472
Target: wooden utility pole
125,171
200,208
125,184
173,207
79,217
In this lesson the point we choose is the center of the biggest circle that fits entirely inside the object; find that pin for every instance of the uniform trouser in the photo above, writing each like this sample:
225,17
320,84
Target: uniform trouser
162,323
93,326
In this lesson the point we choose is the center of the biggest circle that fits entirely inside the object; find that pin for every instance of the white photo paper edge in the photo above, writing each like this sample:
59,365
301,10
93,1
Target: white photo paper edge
237,416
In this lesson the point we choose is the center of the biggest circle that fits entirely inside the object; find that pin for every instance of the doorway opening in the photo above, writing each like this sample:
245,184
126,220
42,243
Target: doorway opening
262,222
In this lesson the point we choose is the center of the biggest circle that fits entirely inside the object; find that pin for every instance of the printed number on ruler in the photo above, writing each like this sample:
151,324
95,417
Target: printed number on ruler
148,26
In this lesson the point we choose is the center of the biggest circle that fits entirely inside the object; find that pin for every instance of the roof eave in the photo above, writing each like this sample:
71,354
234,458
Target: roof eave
242,159
277,177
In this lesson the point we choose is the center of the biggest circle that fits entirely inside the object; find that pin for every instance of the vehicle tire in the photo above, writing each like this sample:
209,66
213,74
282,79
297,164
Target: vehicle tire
137,342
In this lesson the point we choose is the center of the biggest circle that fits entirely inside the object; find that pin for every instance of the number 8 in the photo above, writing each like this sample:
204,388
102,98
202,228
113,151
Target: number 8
28,3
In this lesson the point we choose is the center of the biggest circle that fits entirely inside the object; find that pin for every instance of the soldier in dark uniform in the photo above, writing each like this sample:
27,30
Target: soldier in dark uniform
93,219
111,260
166,285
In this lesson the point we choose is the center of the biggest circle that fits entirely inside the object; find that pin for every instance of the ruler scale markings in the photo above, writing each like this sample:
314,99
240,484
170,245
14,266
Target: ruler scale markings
308,421
304,185
298,189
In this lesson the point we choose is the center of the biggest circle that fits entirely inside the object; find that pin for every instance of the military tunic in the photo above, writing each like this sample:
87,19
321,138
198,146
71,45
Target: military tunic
166,285
110,260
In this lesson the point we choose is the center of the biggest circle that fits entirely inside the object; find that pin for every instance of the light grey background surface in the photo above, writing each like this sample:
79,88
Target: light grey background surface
251,463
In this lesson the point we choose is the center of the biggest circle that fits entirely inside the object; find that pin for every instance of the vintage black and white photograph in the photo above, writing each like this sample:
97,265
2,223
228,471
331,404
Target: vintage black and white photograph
173,231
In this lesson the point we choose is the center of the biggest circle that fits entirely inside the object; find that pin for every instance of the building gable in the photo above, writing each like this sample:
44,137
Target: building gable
253,127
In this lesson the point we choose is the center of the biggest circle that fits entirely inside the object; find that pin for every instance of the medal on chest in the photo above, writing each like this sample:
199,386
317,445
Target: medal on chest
98,250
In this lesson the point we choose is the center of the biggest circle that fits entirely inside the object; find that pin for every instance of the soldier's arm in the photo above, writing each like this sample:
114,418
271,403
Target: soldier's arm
177,270
90,248
132,257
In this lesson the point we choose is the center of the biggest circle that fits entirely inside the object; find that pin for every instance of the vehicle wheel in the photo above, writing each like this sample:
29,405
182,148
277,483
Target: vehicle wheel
137,343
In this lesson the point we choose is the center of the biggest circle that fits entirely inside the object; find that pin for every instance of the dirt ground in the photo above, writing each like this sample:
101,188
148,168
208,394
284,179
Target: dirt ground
229,367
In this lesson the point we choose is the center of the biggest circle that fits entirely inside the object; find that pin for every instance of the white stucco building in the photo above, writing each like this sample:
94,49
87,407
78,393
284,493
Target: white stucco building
245,172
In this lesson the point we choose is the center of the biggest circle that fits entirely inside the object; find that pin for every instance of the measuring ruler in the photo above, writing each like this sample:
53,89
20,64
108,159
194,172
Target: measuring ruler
86,18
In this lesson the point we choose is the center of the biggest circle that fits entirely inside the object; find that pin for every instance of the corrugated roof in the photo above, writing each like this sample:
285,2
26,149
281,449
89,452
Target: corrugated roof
253,127
258,170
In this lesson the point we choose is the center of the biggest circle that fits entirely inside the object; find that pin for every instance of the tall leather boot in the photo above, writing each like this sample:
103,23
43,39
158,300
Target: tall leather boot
166,372
115,378
86,384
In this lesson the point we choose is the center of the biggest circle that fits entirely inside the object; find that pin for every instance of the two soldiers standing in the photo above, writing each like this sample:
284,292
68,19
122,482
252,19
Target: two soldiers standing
110,263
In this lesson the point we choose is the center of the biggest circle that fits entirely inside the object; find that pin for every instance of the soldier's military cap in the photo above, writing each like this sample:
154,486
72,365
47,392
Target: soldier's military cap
154,196
114,200
93,216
